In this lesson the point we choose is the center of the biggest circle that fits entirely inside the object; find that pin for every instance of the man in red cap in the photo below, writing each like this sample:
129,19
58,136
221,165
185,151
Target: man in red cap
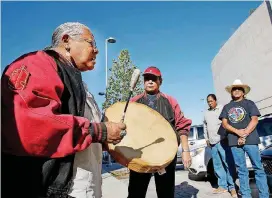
169,108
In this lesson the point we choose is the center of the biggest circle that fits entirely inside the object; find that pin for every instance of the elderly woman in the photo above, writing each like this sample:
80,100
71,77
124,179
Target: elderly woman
44,124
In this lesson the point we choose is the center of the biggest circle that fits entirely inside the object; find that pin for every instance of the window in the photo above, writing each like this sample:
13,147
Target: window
191,134
264,127
200,133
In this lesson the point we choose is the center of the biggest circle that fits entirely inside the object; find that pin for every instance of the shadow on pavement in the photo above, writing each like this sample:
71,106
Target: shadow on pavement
252,184
254,189
213,181
185,190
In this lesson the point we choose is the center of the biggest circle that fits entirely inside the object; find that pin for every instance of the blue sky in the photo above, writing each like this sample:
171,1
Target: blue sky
181,38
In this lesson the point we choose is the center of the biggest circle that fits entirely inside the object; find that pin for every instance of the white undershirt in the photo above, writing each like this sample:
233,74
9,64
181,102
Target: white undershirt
87,179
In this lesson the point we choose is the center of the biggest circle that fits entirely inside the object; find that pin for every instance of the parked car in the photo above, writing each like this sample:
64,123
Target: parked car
196,133
266,156
202,165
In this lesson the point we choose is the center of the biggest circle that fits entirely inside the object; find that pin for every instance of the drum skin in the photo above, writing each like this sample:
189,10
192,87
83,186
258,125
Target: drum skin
150,144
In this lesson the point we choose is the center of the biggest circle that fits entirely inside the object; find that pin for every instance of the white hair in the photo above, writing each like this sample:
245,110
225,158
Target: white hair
73,29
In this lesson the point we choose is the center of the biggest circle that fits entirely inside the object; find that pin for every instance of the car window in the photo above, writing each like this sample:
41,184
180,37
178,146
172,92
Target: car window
191,134
264,127
200,133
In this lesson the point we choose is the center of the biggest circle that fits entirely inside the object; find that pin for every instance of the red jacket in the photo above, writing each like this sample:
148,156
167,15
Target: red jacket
32,124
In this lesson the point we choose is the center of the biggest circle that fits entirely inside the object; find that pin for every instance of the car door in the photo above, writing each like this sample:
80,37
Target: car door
199,140
264,129
191,138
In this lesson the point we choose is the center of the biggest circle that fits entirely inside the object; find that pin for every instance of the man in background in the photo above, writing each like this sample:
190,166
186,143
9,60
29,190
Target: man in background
214,135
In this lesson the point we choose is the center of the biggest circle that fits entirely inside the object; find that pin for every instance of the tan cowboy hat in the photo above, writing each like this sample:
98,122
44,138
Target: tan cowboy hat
238,83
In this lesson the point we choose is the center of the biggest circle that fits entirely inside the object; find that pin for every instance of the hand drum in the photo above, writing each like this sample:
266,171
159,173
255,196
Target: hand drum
150,143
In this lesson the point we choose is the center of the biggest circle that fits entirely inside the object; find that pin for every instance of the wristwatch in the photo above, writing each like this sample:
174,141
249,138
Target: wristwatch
185,150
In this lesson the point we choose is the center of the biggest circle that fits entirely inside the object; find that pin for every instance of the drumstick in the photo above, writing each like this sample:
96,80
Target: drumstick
134,79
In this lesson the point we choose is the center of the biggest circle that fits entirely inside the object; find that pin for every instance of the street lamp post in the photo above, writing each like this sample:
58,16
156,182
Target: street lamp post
108,40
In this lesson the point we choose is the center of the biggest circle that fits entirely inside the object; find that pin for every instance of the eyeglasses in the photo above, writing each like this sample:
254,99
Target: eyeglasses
91,42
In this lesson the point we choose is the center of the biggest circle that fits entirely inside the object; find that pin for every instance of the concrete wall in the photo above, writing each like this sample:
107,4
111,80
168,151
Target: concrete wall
247,55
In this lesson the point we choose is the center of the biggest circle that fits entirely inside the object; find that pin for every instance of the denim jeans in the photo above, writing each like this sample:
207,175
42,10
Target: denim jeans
222,167
260,176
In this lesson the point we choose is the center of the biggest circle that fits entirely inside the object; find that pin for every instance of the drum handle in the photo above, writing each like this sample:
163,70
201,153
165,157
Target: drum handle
124,133
125,110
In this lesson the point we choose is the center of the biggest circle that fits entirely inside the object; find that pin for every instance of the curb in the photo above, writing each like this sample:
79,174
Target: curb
106,175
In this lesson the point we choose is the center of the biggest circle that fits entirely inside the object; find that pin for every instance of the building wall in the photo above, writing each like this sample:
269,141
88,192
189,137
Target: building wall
247,55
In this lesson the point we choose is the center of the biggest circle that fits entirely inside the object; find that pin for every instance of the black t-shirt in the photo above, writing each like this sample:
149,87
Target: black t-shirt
151,100
239,116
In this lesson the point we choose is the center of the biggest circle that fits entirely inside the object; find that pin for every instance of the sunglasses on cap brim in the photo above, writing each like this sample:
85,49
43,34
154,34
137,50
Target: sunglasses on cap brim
150,77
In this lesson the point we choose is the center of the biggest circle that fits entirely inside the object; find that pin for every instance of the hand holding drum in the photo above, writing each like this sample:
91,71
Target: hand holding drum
113,132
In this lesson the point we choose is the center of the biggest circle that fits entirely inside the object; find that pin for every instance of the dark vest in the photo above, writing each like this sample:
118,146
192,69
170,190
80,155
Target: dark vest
59,172
163,106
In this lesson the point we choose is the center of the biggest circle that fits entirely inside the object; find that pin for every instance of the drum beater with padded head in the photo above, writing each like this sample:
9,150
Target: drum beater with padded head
134,79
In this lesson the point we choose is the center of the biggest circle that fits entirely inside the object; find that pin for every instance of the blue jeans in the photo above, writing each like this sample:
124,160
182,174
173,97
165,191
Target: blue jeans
222,167
260,176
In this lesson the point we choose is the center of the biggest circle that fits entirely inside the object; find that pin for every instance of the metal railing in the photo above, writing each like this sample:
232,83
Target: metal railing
263,99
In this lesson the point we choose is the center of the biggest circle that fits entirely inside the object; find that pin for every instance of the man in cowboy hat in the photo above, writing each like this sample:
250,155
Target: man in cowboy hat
240,118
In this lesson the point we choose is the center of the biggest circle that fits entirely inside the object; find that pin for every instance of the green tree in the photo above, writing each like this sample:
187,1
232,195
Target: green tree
119,80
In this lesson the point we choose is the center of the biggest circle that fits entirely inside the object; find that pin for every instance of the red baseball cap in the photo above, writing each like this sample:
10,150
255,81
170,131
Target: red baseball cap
152,70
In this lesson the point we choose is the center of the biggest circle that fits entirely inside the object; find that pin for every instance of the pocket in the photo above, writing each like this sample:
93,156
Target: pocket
40,100
35,99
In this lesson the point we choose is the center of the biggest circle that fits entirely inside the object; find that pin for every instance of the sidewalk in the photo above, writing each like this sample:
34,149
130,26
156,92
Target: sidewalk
185,188
112,187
